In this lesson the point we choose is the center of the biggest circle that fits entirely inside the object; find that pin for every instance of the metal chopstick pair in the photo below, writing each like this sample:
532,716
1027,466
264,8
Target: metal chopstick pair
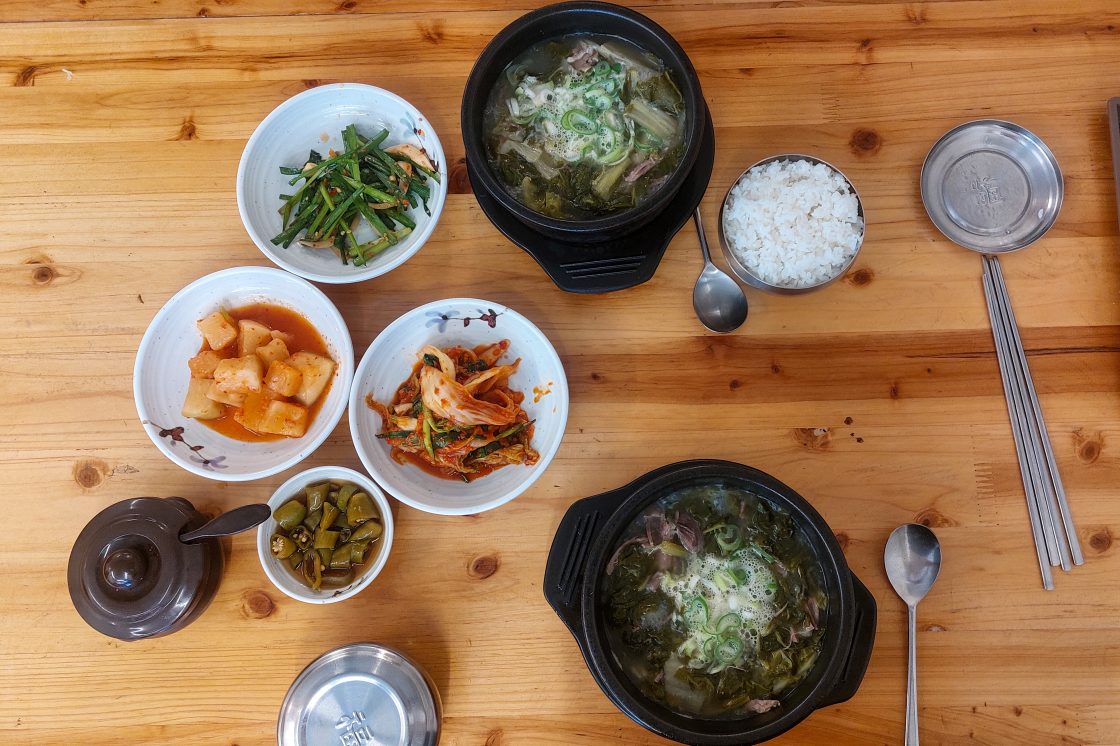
1055,536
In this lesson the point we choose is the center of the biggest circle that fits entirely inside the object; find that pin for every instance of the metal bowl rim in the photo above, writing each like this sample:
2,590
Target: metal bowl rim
754,280
1044,226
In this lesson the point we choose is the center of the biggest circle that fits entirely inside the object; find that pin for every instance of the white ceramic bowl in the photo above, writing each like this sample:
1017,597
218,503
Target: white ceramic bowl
288,583
389,361
299,125
161,375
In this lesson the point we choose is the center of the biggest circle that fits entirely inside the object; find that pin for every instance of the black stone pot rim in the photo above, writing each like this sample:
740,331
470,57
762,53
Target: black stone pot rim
496,56
589,532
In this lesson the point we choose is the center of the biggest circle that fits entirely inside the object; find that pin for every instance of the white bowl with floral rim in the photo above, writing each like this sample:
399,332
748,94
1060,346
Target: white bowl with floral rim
467,322
314,120
161,375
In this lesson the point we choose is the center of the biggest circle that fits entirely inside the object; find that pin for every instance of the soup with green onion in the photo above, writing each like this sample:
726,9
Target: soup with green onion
714,603
584,126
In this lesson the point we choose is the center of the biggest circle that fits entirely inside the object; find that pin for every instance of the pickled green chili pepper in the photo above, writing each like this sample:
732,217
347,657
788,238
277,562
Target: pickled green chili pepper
345,492
282,547
317,495
360,509
324,534
358,551
302,537
340,559
330,512
326,539
290,514
368,530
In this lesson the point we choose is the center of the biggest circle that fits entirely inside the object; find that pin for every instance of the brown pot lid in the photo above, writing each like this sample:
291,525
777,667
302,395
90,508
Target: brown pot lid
129,575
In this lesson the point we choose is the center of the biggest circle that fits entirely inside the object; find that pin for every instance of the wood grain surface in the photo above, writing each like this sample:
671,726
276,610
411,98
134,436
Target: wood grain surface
121,124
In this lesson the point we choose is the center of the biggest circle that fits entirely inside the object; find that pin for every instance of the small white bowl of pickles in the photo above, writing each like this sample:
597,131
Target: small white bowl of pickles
328,537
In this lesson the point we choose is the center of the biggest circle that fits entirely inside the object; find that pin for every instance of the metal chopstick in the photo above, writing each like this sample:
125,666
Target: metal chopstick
1033,507
1056,546
1035,409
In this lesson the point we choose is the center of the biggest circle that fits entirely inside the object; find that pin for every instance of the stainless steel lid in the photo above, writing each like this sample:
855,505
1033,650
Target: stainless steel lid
360,695
991,186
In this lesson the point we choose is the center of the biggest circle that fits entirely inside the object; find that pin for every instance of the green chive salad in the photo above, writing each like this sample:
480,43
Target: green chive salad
356,202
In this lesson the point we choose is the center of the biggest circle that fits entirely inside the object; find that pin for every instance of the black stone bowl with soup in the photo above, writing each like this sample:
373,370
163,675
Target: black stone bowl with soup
602,538
605,124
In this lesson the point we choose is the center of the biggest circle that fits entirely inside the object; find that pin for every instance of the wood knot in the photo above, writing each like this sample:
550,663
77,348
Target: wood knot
89,473
865,141
1101,539
734,383
187,131
458,182
916,13
848,420
596,376
813,438
346,6
775,368
484,566
203,13
843,540
933,518
1089,446
935,628
44,274
1017,710
494,738
26,77
256,604
311,83
893,391
862,277
432,31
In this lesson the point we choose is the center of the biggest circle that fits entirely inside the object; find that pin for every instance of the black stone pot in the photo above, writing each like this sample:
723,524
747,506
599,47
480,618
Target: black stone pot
558,20
590,531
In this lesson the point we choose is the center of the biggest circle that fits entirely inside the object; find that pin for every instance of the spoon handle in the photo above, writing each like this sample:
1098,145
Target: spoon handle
702,235
912,681
227,524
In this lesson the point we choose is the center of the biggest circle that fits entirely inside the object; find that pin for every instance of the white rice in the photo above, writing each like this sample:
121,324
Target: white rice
793,223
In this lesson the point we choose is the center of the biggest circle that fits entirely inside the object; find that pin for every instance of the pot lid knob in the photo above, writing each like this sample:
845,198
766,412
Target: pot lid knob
130,576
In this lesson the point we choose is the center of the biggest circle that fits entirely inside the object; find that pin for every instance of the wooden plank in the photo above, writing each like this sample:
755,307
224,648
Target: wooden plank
877,398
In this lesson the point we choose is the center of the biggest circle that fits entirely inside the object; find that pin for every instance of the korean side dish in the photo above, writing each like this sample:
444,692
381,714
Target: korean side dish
714,603
356,202
262,373
456,416
327,533
583,126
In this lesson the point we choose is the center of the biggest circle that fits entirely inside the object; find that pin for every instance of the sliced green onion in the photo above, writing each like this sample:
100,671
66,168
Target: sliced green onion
728,622
578,121
729,538
728,649
696,611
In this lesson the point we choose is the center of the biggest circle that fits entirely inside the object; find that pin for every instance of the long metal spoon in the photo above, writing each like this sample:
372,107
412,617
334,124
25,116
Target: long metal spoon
913,560
229,523
717,299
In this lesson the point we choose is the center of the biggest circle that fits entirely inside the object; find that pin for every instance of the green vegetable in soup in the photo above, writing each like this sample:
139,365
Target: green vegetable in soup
584,126
715,603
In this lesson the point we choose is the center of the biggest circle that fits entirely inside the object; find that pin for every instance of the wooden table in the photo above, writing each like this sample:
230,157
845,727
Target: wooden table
121,124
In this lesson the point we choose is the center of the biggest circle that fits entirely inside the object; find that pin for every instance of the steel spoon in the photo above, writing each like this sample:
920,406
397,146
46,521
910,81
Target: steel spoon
717,299
229,523
913,560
